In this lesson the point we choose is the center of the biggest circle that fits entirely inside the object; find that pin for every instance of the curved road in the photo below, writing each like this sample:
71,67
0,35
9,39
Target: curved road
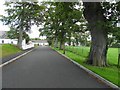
45,68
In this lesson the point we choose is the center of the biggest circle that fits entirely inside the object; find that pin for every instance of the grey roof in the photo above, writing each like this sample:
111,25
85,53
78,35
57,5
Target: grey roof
3,34
40,41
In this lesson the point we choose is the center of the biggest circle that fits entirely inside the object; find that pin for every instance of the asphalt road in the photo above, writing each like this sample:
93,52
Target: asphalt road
45,68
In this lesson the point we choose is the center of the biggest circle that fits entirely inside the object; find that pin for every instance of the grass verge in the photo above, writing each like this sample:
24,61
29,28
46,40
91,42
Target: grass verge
8,49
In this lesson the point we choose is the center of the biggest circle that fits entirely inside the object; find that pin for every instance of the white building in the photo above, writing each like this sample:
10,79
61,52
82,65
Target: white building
42,37
5,40
40,42
8,41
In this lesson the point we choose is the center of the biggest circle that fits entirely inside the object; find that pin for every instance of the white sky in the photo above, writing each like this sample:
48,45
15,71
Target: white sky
34,33
2,12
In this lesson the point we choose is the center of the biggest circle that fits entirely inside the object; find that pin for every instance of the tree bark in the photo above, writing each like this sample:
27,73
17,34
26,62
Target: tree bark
64,48
94,15
56,42
69,40
73,43
52,42
61,45
62,40
21,28
20,39
76,39
98,50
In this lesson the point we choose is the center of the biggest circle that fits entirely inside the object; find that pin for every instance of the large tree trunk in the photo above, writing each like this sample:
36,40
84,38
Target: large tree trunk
69,40
64,48
62,40
98,50
73,43
52,42
61,45
94,15
21,28
56,42
20,39
76,39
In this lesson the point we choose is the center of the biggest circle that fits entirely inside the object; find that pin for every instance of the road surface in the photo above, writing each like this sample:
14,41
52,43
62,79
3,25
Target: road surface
45,68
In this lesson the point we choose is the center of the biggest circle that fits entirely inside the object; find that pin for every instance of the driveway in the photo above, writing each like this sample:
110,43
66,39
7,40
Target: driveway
45,68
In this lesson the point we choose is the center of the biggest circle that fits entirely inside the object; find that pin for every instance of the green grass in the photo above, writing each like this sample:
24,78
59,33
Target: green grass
111,73
8,49
112,56
82,51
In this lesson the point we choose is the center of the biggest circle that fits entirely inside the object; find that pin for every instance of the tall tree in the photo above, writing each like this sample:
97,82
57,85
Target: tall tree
61,18
101,20
93,13
22,15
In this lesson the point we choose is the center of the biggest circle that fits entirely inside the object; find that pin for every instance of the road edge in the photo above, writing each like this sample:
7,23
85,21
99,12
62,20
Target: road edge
14,59
96,76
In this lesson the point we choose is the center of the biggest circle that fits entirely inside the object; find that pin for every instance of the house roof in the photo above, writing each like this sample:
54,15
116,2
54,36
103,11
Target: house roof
3,34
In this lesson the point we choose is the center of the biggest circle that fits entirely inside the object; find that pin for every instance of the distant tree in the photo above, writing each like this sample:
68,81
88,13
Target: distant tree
22,15
60,21
14,34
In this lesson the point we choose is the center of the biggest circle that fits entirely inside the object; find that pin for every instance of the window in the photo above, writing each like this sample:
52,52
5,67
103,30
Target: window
2,41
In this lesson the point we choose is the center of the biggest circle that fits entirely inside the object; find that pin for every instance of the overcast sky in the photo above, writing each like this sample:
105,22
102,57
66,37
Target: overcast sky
34,33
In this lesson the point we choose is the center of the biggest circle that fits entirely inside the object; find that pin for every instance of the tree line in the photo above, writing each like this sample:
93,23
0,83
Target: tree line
65,20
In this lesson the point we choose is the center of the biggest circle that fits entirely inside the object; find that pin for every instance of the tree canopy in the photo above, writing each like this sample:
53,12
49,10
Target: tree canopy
66,22
22,15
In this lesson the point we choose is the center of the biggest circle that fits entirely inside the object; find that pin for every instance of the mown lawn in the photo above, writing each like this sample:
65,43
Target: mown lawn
111,73
8,49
